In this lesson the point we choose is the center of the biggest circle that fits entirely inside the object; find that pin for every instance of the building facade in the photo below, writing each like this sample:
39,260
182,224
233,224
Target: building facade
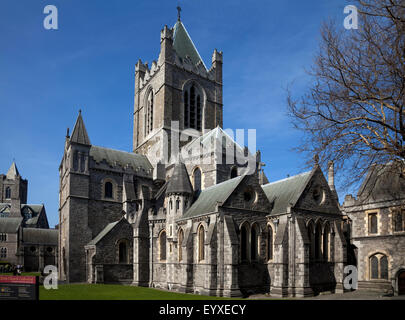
25,236
190,209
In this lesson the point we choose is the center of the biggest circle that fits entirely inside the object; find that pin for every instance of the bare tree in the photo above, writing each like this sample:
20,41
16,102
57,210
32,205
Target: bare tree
354,110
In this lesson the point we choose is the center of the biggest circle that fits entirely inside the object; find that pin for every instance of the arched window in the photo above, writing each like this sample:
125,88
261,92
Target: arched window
254,242
378,266
177,205
3,253
162,245
108,190
197,179
193,104
8,193
234,172
318,241
171,204
311,238
372,223
201,242
123,252
75,161
269,242
244,243
149,113
326,242
180,238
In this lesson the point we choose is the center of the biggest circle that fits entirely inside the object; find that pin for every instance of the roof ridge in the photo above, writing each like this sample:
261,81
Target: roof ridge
288,178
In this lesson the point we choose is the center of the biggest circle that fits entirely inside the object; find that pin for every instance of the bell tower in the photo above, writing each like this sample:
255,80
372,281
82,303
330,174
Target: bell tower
175,93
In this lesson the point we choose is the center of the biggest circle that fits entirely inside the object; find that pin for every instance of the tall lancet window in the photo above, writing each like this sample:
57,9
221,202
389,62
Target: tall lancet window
149,113
193,105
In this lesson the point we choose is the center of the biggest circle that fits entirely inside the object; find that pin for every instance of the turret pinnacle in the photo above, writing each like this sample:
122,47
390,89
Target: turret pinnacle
13,173
179,181
79,134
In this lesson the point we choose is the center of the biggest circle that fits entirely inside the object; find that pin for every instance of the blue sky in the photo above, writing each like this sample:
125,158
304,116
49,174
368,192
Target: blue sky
46,76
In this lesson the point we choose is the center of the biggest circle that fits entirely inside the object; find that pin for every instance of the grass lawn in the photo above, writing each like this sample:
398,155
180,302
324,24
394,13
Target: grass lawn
114,292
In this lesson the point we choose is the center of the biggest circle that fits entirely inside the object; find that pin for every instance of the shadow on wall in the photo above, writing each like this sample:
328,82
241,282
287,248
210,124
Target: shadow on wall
321,277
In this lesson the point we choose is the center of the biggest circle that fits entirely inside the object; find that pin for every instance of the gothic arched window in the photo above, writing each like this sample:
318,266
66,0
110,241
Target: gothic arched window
123,252
378,266
197,179
254,242
326,241
162,245
193,105
180,238
8,193
108,190
318,241
311,237
269,242
201,242
149,113
244,242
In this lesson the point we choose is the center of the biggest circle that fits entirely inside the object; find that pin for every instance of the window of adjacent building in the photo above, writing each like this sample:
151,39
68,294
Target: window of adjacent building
269,242
197,179
8,193
162,245
180,238
108,190
3,237
149,113
192,108
372,223
399,221
3,252
378,266
123,252
201,242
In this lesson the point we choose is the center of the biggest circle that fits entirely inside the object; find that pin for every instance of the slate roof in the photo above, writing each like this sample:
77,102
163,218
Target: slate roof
179,182
121,158
12,173
103,232
79,134
35,208
286,192
10,225
208,198
183,44
40,236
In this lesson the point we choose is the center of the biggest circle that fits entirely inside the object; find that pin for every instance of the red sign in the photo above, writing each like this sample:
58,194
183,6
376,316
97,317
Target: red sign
18,279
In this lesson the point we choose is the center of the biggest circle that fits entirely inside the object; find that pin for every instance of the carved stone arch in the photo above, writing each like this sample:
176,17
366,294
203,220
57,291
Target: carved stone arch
194,179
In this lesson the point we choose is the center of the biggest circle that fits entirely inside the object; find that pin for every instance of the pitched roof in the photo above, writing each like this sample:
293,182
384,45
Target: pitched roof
40,236
10,225
103,232
79,134
286,192
209,197
183,44
179,182
12,173
122,158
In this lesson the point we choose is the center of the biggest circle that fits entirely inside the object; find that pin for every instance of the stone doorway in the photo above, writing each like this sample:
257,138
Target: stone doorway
401,282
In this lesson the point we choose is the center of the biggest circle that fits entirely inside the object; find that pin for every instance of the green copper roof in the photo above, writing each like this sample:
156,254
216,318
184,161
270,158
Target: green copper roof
183,44
209,197
286,192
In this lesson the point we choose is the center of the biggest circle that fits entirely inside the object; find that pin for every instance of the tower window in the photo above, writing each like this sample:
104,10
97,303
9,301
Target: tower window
193,105
8,193
180,244
108,190
149,113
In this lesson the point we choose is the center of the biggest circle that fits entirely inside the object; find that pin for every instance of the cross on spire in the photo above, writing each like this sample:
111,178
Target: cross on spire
178,12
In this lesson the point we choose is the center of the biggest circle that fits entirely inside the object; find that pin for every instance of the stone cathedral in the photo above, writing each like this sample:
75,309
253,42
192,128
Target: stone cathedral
190,209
